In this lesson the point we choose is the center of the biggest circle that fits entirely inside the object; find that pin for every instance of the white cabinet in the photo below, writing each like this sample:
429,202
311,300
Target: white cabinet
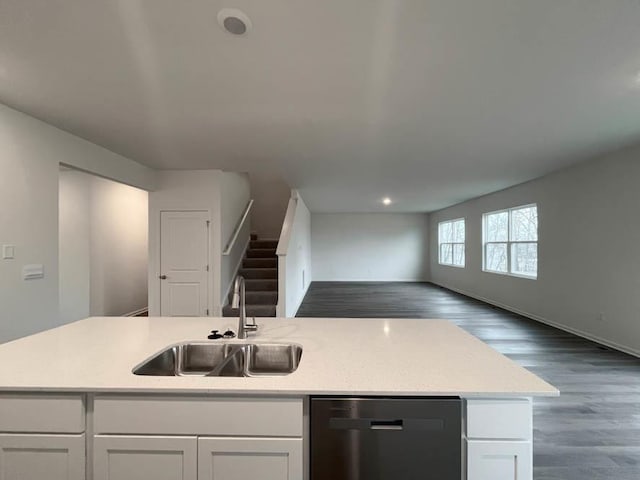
245,458
42,457
42,436
143,437
144,458
496,460
499,434
510,419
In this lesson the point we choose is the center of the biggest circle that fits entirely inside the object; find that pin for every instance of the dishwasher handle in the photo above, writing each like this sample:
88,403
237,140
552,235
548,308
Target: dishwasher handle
386,425
429,424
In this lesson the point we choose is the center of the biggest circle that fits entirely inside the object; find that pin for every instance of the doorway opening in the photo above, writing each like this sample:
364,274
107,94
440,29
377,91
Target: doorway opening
103,247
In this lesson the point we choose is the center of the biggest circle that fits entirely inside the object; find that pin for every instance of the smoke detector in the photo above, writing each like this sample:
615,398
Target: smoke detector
234,21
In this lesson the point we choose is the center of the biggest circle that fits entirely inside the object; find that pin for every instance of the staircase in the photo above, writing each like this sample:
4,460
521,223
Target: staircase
260,272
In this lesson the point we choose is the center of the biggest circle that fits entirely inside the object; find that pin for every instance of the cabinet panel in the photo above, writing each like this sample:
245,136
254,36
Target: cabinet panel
499,419
244,458
42,457
197,415
499,460
145,458
45,413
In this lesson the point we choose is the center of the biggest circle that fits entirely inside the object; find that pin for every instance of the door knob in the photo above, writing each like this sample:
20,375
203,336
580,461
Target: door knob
162,277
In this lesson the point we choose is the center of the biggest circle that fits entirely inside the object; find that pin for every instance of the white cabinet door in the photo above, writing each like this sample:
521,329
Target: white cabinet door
496,460
42,457
245,458
144,458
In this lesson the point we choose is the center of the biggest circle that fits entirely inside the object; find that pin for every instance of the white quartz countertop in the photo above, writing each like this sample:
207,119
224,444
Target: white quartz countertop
340,357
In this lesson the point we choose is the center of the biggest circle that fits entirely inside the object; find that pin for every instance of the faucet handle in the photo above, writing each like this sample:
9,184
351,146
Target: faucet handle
253,326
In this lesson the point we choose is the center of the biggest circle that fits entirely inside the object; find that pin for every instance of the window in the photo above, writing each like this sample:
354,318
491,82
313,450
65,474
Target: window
451,242
511,241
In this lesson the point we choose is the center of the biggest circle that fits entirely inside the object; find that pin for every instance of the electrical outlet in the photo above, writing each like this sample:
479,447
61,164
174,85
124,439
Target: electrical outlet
602,317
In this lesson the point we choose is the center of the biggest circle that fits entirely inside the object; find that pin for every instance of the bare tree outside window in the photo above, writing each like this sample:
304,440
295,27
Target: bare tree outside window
511,241
451,240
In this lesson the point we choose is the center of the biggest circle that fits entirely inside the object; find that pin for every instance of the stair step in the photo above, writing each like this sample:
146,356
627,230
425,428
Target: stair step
259,273
260,263
262,298
254,236
252,311
264,244
261,253
261,285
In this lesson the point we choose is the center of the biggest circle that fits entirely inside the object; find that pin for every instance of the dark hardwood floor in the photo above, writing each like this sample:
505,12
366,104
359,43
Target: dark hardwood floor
591,432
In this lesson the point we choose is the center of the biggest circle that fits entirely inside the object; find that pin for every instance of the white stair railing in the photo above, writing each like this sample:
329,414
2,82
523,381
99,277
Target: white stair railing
236,231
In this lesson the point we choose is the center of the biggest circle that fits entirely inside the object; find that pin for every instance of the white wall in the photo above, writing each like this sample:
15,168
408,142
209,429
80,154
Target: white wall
369,247
271,194
29,162
103,247
235,193
589,233
119,248
186,190
294,257
74,246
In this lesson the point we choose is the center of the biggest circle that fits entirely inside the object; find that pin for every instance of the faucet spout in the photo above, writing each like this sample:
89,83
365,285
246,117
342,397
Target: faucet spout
239,301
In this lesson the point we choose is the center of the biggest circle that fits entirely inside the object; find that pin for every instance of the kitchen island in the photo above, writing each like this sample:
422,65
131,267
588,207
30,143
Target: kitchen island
71,408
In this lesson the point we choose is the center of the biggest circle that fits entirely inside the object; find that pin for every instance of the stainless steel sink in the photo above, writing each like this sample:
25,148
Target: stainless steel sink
223,360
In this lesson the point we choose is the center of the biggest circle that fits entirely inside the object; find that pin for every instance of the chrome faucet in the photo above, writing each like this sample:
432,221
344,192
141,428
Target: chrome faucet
238,301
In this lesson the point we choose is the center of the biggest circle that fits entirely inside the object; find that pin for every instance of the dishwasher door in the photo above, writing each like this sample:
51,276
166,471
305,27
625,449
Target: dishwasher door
376,438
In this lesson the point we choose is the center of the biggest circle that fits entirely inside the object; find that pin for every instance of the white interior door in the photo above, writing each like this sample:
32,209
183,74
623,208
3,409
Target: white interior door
184,263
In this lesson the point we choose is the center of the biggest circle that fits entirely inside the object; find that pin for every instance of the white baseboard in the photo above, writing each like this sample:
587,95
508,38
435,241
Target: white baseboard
369,280
538,318
135,313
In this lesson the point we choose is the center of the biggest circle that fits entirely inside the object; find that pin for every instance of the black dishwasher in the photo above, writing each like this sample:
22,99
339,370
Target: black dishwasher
380,438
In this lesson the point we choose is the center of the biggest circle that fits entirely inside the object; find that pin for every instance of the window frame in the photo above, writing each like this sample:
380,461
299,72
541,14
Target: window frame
508,242
464,244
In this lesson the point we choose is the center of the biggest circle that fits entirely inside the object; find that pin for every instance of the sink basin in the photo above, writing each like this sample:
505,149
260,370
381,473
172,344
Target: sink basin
206,359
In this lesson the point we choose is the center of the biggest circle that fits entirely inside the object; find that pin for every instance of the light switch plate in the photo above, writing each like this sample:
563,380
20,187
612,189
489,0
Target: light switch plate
8,252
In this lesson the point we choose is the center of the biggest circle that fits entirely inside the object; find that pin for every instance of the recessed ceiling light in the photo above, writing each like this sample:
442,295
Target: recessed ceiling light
386,201
234,21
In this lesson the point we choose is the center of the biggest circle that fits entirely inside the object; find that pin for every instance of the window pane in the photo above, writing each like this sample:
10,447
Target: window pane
445,232
458,254
497,225
524,224
524,259
446,253
458,231
496,257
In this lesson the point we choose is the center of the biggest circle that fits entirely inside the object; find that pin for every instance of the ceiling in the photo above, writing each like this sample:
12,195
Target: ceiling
429,102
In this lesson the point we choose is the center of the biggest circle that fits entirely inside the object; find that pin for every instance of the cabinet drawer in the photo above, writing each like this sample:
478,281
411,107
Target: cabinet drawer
240,416
499,419
32,413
